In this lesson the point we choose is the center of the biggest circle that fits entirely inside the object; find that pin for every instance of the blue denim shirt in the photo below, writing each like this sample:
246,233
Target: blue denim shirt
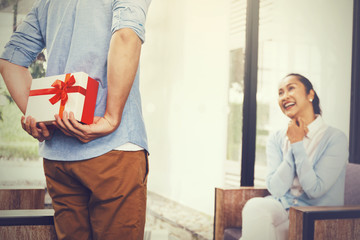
76,34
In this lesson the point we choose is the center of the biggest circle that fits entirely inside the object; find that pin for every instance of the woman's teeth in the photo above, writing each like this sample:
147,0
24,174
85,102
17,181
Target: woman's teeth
287,105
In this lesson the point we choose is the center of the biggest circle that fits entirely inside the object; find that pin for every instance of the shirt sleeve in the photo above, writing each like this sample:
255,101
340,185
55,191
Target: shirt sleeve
26,42
130,14
281,168
317,179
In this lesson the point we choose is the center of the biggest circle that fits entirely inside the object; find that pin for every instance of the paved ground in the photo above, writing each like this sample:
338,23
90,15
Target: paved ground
166,220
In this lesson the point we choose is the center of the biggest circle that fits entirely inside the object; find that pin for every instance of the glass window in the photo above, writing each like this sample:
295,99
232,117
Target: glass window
312,38
237,26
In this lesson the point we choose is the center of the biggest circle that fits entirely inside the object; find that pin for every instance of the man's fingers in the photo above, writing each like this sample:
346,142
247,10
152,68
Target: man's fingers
84,133
27,125
41,139
45,131
66,133
62,129
77,129
23,123
60,123
69,125
76,125
33,128
39,132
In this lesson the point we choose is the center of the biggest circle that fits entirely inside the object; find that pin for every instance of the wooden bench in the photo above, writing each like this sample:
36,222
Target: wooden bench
27,224
324,223
22,214
306,223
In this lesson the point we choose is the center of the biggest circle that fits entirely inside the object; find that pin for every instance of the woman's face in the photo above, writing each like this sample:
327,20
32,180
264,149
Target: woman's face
293,100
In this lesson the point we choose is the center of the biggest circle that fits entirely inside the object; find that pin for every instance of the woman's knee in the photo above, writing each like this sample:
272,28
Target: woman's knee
254,205
263,207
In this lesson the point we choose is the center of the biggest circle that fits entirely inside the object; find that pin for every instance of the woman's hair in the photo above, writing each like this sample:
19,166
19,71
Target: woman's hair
308,87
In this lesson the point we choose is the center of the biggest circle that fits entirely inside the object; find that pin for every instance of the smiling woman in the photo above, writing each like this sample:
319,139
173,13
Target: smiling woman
305,161
297,98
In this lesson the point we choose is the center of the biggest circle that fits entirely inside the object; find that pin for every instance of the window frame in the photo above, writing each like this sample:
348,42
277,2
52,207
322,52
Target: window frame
354,139
250,90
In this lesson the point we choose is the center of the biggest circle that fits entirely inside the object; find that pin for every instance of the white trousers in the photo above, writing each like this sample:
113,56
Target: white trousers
264,219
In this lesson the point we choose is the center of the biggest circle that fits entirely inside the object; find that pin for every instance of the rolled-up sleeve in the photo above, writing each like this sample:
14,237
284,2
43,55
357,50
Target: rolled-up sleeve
26,42
130,14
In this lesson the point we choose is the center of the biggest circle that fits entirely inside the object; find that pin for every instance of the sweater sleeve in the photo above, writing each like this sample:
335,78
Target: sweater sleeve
317,179
281,168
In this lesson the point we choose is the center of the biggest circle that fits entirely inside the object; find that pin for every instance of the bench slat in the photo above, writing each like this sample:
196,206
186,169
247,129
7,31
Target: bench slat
27,224
26,217
32,198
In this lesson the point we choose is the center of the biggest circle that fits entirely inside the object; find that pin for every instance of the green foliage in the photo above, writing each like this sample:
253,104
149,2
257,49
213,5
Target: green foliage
14,141
37,68
235,119
6,3
19,150
11,130
234,138
262,132
5,98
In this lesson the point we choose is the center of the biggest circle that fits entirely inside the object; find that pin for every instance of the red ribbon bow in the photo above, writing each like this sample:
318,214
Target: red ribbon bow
61,90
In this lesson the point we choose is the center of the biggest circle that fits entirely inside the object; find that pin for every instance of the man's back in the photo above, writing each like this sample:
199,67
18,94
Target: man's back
76,35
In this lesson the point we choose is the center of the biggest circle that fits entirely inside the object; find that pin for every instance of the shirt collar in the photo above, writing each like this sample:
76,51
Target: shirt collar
315,126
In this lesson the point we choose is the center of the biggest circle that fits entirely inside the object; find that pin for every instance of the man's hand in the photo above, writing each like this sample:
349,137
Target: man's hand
123,61
296,130
85,133
40,133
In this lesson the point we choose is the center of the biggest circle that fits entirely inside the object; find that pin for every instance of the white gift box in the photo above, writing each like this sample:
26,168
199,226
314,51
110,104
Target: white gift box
72,92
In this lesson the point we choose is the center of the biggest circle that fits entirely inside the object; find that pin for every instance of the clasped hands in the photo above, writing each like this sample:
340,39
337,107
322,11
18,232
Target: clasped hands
297,130
70,126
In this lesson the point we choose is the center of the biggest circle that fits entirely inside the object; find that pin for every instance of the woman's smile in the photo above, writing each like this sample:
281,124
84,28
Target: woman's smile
288,105
293,99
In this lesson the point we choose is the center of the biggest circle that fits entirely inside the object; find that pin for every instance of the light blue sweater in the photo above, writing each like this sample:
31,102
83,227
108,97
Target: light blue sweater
323,181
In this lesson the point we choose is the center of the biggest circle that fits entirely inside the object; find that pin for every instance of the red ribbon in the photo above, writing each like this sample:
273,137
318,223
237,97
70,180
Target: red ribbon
61,90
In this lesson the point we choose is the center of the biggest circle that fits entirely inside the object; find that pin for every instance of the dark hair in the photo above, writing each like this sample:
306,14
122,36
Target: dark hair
308,86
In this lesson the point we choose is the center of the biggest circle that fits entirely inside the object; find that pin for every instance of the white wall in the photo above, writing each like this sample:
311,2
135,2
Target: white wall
184,78
313,38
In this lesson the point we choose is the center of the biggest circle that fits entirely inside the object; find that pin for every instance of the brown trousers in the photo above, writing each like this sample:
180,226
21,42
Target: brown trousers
102,198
